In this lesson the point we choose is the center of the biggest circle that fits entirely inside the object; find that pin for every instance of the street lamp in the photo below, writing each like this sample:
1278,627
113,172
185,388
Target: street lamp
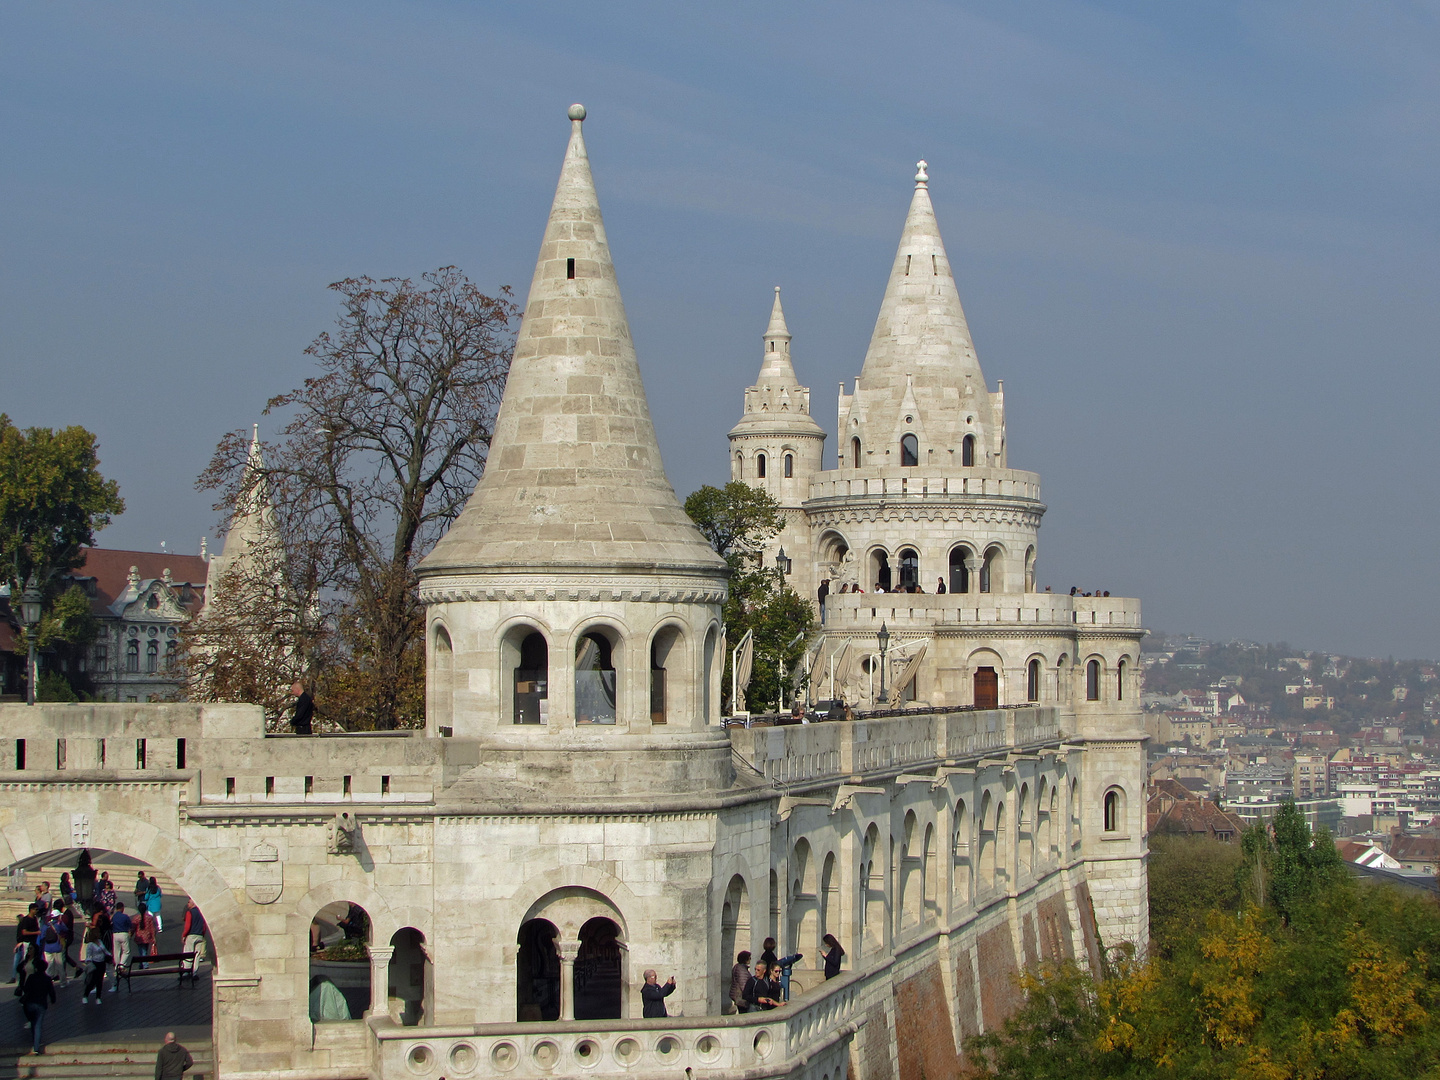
31,601
782,563
884,638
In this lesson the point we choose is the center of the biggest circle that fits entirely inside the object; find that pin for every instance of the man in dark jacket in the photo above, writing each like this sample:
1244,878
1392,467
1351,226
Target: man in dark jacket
654,995
173,1059
36,994
304,709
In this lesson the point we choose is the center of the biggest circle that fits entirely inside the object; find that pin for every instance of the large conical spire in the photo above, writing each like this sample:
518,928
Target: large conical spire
921,363
574,476
253,536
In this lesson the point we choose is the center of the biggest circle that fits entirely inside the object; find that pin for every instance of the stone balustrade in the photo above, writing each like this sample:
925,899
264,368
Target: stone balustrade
930,610
802,753
925,483
755,1044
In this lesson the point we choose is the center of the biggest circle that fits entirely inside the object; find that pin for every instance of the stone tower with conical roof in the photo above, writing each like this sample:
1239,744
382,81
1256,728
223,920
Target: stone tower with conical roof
573,609
777,445
252,546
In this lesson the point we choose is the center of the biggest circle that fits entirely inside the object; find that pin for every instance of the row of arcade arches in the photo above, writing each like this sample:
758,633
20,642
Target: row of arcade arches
968,568
910,451
597,665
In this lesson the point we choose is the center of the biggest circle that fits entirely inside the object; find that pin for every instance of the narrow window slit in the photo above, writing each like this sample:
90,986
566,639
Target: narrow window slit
570,269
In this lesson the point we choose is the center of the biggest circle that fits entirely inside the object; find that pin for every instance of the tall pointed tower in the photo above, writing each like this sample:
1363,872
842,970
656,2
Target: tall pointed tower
252,543
921,376
778,446
573,606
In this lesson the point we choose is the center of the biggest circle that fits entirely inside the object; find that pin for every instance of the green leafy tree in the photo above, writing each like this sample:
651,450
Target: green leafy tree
1286,863
53,500
1190,876
739,521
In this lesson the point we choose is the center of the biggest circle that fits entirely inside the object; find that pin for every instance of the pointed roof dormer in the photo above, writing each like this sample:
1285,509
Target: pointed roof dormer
921,356
574,477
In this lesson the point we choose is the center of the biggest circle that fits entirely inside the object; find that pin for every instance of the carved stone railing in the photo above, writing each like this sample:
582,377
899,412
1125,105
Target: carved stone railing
755,1044
802,753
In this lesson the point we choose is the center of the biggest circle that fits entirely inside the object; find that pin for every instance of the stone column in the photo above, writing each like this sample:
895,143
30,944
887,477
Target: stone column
567,980
380,979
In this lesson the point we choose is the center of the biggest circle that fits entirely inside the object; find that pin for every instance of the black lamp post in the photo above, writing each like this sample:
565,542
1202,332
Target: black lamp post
31,601
884,638
782,564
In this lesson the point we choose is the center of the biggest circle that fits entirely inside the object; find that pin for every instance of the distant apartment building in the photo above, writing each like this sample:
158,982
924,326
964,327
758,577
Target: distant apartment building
1310,776
1258,784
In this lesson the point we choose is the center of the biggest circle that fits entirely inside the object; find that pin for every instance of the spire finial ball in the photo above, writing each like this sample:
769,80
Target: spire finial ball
920,174
577,112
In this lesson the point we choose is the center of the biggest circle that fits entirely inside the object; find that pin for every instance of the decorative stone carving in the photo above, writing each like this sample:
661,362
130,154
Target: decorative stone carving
264,876
343,836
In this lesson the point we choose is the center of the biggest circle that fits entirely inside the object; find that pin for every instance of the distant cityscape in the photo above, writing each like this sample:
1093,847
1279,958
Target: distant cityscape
1238,727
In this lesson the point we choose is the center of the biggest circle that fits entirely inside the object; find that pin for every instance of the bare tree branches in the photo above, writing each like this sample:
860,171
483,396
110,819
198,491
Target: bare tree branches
383,448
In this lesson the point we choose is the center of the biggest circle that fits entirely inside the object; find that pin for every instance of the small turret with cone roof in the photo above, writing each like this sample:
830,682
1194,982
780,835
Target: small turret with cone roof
253,533
921,375
573,605
777,403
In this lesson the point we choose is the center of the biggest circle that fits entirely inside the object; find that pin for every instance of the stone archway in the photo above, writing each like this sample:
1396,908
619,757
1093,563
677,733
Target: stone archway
28,836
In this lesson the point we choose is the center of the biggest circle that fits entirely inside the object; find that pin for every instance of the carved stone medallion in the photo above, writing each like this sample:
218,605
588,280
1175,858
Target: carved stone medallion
264,876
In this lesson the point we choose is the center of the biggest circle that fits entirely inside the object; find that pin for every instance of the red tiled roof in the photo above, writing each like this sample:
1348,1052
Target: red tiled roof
1415,848
110,568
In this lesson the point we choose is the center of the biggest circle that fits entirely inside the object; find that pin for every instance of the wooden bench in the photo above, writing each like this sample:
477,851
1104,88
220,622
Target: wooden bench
180,964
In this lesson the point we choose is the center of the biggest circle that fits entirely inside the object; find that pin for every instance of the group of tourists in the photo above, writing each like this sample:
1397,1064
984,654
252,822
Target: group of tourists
87,905
769,986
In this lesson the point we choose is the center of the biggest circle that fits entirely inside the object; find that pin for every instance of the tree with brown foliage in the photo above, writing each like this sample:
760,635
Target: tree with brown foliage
382,449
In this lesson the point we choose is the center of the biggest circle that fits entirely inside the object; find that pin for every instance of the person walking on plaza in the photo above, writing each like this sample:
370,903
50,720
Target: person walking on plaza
27,932
120,927
300,720
192,934
832,956
172,1060
654,995
152,903
739,976
142,886
52,944
84,880
144,929
95,957
36,994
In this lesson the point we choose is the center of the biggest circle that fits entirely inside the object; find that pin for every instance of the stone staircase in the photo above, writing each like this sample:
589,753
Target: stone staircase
96,1060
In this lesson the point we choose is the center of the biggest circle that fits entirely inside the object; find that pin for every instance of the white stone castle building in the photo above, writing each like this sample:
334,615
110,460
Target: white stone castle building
575,812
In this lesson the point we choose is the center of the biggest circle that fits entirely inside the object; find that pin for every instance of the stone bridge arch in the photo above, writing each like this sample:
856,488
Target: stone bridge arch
34,834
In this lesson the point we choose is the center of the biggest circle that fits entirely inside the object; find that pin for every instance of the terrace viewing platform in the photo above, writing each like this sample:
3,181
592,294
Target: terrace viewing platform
910,611
922,482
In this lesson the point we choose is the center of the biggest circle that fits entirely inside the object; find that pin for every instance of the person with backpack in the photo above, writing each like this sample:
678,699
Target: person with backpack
120,927
53,946
145,930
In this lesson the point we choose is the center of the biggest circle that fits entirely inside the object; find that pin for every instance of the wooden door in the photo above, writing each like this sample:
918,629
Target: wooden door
987,688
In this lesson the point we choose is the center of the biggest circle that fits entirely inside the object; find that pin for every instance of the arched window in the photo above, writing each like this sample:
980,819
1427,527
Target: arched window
339,931
441,681
789,466
599,982
760,466
662,650
532,680
855,452
967,451
1120,681
410,974
909,450
152,655
959,571
880,569
132,655
739,466
1092,681
537,969
992,573
1112,811
909,569
1032,681
594,680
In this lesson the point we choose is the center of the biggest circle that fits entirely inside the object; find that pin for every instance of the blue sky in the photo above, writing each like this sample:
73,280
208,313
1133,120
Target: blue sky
1197,241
